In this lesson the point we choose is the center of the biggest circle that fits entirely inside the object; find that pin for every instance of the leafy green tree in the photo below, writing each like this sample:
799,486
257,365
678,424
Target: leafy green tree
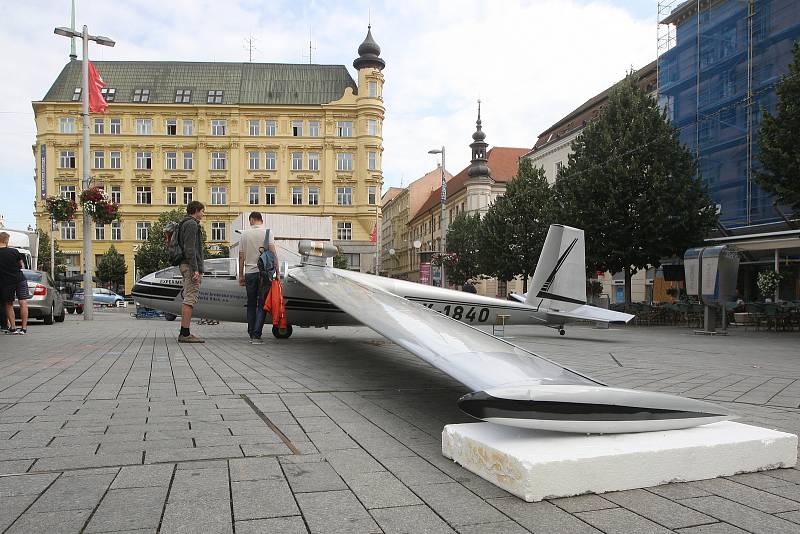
496,236
463,239
632,187
111,268
152,254
44,254
779,152
340,261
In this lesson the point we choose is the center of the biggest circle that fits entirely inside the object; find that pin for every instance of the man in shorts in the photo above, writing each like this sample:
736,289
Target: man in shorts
191,266
13,285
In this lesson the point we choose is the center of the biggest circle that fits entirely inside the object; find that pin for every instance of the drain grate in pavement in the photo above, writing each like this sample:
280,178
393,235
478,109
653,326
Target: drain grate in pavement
270,424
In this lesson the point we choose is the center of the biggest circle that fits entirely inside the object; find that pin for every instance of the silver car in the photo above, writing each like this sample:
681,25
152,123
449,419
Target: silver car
46,302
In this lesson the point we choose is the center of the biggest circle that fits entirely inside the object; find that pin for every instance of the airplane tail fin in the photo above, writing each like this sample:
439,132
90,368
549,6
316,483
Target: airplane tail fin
559,281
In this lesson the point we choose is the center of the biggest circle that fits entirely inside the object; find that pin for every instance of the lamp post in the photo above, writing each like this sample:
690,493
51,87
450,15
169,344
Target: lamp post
442,230
88,298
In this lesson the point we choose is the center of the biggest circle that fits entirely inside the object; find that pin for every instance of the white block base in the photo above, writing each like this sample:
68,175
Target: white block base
536,465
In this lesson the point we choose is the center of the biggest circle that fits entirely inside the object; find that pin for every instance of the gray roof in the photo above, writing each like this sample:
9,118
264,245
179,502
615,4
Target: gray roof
242,83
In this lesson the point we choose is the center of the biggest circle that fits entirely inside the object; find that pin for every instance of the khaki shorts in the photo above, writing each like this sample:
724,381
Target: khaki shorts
190,287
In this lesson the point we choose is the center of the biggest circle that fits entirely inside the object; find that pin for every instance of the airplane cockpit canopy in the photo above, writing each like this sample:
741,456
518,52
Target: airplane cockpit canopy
214,268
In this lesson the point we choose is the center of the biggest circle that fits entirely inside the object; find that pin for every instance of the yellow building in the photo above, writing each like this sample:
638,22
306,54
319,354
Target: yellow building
239,137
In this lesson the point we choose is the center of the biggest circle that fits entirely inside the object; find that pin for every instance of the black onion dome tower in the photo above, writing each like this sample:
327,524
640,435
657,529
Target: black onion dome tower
369,53
479,167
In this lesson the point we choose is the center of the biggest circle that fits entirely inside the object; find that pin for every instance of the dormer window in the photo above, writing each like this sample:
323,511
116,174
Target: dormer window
108,93
214,96
76,94
141,95
183,96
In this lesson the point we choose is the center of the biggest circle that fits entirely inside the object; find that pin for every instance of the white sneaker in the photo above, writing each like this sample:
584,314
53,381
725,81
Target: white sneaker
256,341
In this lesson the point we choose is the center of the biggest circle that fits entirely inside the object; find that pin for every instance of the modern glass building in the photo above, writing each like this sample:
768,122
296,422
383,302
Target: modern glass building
720,61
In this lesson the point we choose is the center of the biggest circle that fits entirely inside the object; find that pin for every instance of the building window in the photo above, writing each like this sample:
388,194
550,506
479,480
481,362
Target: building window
116,231
313,128
99,159
253,161
218,126
172,195
99,232
172,126
217,231
344,161
344,196
188,194
66,125
214,96
219,195
188,126
270,161
344,128
218,161
372,160
183,96
270,128
557,168
344,231
67,191
297,161
76,94
108,93
144,126
144,161
141,95
66,159
116,126
313,196
115,160
269,195
353,261
297,196
116,193
143,194
171,160
372,127
142,230
188,161
372,89
371,196
99,126
68,230
253,127
313,161
297,128
252,196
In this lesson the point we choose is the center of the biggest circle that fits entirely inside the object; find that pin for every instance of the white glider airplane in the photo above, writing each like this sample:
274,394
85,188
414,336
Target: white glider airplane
510,385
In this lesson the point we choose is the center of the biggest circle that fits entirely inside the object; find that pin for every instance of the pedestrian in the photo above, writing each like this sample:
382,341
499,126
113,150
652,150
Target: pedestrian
13,285
250,247
191,266
469,287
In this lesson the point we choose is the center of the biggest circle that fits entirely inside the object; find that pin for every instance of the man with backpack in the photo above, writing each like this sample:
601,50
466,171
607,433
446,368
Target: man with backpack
255,275
186,247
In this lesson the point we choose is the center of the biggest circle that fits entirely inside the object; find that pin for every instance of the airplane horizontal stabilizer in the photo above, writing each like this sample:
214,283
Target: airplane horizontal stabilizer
594,314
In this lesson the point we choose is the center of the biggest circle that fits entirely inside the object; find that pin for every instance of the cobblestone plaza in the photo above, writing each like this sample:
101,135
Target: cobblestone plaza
112,426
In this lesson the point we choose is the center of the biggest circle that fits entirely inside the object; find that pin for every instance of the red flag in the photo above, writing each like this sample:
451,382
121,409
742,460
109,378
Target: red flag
374,235
97,104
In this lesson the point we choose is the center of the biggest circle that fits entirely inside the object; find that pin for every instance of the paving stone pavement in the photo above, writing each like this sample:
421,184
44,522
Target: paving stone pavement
112,426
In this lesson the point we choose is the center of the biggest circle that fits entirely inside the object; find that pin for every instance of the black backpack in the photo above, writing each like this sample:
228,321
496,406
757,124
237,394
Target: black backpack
266,261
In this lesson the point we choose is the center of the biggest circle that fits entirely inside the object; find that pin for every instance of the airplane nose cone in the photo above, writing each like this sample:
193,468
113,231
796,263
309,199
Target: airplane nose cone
589,409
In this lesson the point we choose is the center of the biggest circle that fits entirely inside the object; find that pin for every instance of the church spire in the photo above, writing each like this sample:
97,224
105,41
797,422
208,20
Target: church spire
478,168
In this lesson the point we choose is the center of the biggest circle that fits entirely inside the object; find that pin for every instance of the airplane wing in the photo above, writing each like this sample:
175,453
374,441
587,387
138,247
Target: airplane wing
512,385
593,313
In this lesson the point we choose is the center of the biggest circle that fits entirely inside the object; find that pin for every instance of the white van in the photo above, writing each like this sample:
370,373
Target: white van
27,243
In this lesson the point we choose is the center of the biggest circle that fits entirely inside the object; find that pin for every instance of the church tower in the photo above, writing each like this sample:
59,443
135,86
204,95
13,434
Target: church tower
479,184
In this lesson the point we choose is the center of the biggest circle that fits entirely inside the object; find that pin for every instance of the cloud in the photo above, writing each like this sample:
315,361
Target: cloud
530,62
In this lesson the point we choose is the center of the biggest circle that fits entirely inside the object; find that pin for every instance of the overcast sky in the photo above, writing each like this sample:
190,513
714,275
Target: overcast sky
530,62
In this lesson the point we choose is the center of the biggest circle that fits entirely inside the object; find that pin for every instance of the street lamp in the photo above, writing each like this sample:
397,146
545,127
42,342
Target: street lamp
442,230
88,298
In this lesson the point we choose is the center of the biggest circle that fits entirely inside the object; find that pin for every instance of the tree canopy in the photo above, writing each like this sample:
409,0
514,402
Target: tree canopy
44,255
779,152
111,268
463,240
632,187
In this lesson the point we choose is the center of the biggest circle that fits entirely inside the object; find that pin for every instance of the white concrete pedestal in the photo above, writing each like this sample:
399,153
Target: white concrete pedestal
536,465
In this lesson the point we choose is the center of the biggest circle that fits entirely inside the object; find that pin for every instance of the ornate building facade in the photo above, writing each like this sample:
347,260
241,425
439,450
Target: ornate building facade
239,137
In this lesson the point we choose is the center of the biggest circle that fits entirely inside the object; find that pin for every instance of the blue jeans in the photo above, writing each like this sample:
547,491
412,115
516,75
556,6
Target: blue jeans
255,305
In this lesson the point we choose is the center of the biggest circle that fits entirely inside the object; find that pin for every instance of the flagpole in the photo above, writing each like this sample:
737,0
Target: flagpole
88,290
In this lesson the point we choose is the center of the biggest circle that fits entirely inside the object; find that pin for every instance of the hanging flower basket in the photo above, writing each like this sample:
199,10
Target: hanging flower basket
767,282
448,259
61,209
98,206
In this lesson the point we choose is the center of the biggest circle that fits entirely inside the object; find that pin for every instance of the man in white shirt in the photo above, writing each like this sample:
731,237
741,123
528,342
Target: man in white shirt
250,246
